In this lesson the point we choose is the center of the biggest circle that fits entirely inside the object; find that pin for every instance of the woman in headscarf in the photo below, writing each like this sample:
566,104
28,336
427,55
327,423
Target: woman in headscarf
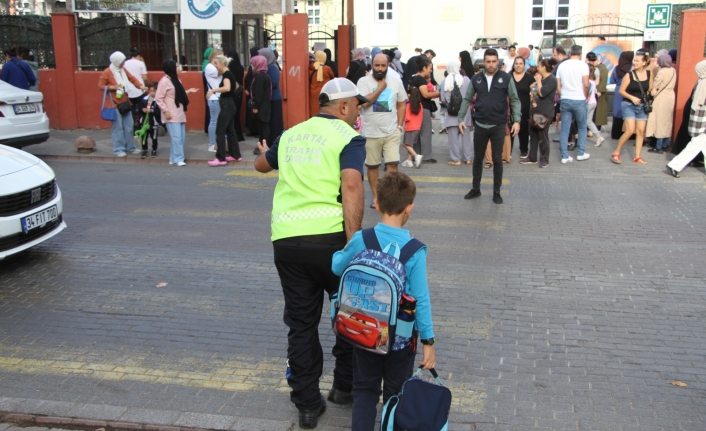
173,101
250,121
319,75
460,146
357,69
375,51
207,126
115,79
396,63
624,66
330,63
696,121
466,63
368,59
277,115
659,121
524,53
261,95
236,68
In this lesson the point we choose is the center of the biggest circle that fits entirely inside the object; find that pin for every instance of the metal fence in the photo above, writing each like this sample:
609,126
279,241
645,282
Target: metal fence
32,31
676,19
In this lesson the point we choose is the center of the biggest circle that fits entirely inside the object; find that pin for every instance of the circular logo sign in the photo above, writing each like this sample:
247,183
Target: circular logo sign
206,9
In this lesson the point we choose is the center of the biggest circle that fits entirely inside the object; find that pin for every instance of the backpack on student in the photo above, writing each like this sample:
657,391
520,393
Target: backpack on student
420,406
454,105
364,310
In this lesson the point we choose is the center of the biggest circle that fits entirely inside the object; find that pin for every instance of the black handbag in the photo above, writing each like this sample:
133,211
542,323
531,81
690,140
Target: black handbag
124,108
538,121
420,406
646,99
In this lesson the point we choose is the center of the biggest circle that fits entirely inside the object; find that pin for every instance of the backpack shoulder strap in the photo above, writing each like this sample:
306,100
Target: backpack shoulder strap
413,246
370,239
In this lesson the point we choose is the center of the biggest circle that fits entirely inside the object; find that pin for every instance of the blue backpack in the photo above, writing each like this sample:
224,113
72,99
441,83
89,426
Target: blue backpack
364,310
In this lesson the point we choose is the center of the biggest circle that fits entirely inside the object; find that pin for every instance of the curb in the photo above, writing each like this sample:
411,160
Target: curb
87,424
132,160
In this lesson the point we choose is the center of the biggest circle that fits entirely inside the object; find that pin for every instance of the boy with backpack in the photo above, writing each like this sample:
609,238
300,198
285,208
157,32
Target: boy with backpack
390,357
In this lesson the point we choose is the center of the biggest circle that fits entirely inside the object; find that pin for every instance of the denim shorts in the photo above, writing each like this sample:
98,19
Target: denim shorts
631,111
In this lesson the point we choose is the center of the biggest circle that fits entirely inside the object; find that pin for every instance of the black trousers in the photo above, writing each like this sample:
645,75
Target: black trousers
226,125
238,123
137,105
369,371
523,136
276,120
539,138
263,129
305,274
152,134
481,135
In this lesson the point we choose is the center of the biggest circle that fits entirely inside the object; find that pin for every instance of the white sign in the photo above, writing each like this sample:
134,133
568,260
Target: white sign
658,22
206,14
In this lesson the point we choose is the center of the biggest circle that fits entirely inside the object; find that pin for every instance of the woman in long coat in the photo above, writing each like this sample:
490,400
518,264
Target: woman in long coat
659,122
602,100
319,75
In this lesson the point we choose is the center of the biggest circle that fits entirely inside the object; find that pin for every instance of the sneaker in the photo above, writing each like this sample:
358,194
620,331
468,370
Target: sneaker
543,164
443,130
309,419
527,161
121,154
211,148
172,163
474,193
429,161
497,198
256,151
567,160
523,156
230,159
571,147
407,164
216,162
418,160
181,164
340,397
143,155
582,157
135,151
154,153
599,141
432,130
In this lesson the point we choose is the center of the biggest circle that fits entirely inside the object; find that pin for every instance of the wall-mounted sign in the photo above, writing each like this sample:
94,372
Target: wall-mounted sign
207,14
130,6
658,22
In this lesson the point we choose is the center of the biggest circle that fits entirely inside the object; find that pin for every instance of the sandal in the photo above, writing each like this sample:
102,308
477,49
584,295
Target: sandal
488,165
469,162
616,158
674,172
452,163
639,160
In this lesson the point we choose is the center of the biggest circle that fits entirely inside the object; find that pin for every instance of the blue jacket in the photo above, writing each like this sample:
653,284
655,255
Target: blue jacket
274,73
18,73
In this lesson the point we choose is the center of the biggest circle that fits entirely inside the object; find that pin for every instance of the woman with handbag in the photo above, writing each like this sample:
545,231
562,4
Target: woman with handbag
173,101
659,122
541,112
113,83
635,88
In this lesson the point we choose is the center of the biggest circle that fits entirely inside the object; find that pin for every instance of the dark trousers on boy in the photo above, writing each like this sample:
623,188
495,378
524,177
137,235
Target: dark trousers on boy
481,135
304,269
369,371
151,134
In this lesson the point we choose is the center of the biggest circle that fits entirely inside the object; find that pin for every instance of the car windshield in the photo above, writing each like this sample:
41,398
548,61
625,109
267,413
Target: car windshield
492,41
566,42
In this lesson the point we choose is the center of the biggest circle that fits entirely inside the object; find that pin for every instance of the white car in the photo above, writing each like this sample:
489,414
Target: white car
30,202
501,44
22,118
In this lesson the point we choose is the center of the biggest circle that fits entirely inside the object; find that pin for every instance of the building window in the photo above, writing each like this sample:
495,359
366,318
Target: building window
385,10
295,6
313,10
548,20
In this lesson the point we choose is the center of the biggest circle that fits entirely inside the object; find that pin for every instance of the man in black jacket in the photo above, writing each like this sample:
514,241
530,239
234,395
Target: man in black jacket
492,87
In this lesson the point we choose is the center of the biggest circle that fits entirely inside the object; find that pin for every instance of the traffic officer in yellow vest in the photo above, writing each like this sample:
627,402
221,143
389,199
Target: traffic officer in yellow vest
317,207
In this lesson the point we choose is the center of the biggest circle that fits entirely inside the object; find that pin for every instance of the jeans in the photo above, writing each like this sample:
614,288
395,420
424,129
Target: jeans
423,143
589,120
481,135
369,371
226,126
122,133
177,132
214,108
663,143
573,109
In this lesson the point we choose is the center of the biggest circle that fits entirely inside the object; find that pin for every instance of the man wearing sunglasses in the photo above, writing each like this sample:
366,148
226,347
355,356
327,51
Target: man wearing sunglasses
317,207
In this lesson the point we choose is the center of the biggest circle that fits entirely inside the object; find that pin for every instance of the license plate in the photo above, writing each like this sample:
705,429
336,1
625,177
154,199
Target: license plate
39,219
25,109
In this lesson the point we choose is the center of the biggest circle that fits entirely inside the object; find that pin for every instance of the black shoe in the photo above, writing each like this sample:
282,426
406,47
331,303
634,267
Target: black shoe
309,419
673,172
340,397
252,134
241,138
571,147
653,150
256,151
496,198
523,156
428,160
474,193
659,151
144,154
154,153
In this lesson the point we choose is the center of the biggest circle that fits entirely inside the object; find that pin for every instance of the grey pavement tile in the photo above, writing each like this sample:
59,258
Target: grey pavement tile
98,412
151,416
203,420
246,424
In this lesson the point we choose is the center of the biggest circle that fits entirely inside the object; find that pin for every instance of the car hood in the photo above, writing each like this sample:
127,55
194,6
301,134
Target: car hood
13,160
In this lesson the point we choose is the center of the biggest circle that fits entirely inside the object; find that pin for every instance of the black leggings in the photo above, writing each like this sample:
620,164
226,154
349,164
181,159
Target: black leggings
226,125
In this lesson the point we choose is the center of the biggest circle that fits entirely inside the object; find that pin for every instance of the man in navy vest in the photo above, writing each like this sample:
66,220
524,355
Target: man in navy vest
492,88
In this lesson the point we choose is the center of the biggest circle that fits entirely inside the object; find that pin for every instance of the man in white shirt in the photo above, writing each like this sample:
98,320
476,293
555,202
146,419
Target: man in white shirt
573,85
136,66
383,118
214,108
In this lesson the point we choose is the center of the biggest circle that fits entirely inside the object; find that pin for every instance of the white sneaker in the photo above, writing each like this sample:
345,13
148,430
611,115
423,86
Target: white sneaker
599,141
181,164
212,148
569,160
121,154
136,151
432,131
418,160
584,156
407,164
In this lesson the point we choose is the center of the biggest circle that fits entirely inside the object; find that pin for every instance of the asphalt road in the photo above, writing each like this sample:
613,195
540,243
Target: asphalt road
571,306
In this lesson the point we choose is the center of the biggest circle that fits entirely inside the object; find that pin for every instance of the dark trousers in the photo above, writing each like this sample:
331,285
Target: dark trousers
481,135
303,285
523,136
252,122
152,134
276,120
539,138
226,125
238,123
263,130
369,371
137,105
